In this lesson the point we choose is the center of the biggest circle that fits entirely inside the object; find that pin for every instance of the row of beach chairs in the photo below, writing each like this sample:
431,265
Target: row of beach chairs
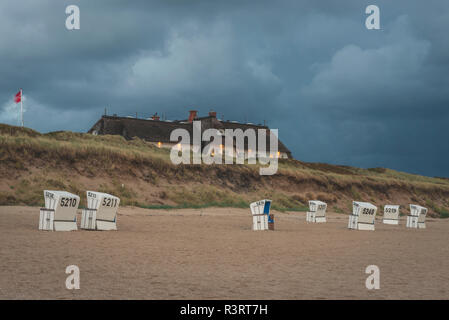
362,217
60,213
364,214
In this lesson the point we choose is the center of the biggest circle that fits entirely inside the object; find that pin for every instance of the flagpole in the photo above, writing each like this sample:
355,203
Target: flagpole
21,105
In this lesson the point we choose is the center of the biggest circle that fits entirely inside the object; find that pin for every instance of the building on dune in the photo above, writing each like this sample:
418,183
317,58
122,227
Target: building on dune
157,131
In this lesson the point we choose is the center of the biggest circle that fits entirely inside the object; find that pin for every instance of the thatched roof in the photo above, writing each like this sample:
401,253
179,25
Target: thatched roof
159,131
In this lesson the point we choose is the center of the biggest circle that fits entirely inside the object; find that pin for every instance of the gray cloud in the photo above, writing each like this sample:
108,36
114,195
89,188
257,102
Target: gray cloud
337,92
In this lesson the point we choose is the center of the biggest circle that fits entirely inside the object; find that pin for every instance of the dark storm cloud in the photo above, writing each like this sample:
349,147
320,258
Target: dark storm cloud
337,92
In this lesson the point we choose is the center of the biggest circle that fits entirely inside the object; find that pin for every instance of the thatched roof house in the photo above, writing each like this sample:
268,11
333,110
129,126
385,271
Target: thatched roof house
158,132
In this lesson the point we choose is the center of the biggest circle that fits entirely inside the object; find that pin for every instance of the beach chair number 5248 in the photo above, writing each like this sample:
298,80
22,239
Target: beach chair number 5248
368,211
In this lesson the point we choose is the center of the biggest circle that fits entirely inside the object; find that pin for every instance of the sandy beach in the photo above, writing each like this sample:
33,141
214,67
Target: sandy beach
213,254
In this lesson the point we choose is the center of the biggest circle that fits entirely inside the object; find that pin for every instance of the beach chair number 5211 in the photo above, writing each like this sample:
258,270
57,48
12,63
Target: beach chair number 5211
108,202
68,202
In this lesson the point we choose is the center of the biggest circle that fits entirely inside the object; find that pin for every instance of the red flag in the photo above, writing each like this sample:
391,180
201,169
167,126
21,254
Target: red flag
18,97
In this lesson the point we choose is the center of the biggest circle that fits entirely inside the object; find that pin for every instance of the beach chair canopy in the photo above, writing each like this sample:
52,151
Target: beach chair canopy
261,207
391,211
63,203
416,210
357,207
316,205
365,211
105,204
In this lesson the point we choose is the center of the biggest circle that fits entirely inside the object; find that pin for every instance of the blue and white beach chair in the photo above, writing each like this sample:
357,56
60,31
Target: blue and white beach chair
261,214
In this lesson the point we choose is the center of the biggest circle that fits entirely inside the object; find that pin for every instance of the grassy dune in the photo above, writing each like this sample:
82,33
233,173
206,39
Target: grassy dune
142,175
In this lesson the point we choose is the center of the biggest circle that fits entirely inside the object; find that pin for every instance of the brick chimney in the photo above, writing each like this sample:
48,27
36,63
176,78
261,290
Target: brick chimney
192,115
212,113
155,117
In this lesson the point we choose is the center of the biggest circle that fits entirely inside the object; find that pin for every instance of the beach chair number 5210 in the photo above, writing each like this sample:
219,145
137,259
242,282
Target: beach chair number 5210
68,202
108,202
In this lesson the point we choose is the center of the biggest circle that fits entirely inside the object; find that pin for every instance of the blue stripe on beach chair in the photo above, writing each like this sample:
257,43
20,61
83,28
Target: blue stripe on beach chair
266,209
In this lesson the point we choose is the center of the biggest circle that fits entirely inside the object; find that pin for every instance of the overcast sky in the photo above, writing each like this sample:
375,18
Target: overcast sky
337,92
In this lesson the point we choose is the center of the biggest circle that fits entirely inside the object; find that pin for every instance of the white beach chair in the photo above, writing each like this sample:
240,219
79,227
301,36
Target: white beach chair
101,212
391,214
260,211
59,213
417,217
363,216
317,211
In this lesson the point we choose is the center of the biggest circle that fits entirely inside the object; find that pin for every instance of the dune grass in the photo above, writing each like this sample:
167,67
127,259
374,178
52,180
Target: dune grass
31,162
